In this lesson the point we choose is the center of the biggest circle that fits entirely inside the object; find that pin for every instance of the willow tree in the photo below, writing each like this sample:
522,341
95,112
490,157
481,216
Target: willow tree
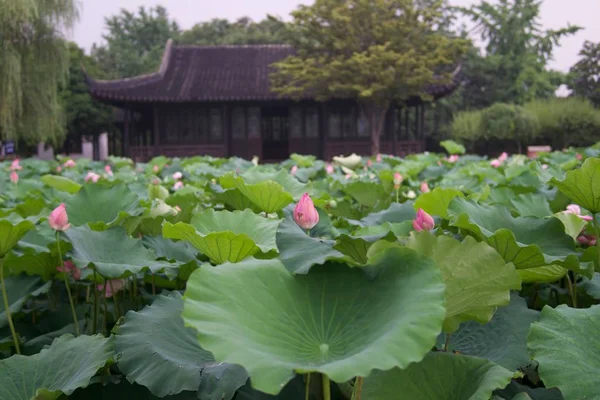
374,51
34,62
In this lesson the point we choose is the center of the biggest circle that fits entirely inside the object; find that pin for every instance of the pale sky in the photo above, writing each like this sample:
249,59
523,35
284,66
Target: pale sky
555,14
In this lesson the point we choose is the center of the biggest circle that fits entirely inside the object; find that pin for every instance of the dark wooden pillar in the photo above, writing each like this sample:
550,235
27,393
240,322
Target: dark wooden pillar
227,130
422,121
395,112
125,143
407,122
155,131
417,131
322,130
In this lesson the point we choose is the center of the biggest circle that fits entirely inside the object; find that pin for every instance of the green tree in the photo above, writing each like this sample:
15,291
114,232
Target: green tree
84,116
271,30
374,51
517,49
586,73
135,42
34,61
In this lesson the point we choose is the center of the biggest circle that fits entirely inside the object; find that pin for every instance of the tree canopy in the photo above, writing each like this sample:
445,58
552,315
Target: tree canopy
586,73
375,51
34,62
244,30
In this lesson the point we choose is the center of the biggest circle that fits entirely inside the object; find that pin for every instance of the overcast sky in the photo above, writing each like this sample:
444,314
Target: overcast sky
555,14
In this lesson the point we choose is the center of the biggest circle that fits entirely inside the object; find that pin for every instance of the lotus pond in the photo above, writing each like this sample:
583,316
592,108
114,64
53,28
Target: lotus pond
427,277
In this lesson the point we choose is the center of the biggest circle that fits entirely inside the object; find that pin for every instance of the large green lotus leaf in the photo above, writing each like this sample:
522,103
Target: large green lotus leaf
531,205
234,199
32,263
592,286
517,391
220,247
477,278
546,274
10,234
268,196
112,252
503,340
369,194
18,290
294,390
299,252
101,205
287,181
124,390
395,213
582,185
573,223
566,344
436,202
526,242
439,376
68,364
356,247
61,183
166,248
335,320
260,229
452,147
157,351
398,229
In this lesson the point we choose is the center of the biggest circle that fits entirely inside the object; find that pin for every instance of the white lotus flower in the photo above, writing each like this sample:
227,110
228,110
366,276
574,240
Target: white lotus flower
410,194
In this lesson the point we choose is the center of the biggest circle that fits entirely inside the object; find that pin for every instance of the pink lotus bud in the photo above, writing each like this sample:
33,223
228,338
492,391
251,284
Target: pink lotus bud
424,187
575,209
14,166
177,175
496,163
369,163
58,219
155,169
453,158
91,176
178,208
112,286
587,240
178,185
378,159
503,157
294,170
423,221
59,169
14,177
544,166
156,181
69,164
329,169
108,170
397,180
70,268
305,213
578,156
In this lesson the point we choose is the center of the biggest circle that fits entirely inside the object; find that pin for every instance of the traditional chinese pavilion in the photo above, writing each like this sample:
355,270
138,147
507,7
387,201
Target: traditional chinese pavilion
217,100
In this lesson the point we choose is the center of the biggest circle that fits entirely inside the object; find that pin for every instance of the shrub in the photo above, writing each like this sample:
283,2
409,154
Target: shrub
509,122
466,126
567,121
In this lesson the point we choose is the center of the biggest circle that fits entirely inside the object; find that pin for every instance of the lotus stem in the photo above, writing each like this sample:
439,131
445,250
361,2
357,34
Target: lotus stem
153,285
95,317
597,234
307,387
326,388
572,290
447,342
65,274
105,307
358,384
114,296
7,309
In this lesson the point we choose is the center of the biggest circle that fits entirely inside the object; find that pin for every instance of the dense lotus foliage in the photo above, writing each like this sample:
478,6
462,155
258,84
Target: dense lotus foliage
426,277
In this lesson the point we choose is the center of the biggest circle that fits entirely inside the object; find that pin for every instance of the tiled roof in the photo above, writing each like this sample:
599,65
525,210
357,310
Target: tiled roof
208,73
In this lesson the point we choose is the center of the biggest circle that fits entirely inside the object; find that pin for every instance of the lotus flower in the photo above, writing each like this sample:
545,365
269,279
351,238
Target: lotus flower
255,160
503,157
69,164
588,240
92,176
397,180
378,159
410,194
544,166
578,156
496,163
59,169
14,177
453,158
15,166
423,221
112,286
178,185
349,162
155,169
305,213
70,268
294,170
108,170
329,169
58,219
177,175
424,187
369,163
575,209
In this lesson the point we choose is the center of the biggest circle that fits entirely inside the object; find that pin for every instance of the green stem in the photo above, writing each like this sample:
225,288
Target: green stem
572,290
358,384
135,292
307,387
66,276
153,285
397,194
447,342
326,388
7,309
105,307
597,234
95,320
114,295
